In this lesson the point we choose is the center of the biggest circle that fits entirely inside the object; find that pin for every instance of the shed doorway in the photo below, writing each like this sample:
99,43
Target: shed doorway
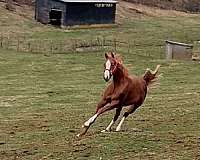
55,17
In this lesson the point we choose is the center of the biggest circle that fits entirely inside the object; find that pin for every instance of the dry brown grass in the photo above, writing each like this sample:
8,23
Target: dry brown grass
131,10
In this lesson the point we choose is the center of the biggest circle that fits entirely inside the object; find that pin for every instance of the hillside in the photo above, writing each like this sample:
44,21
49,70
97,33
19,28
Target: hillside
128,10
20,2
125,8
180,5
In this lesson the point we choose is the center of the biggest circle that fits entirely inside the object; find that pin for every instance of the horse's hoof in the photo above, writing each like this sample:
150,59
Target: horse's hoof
78,135
118,129
105,131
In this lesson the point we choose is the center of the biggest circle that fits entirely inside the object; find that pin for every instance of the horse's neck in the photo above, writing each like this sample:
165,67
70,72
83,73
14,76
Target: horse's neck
120,75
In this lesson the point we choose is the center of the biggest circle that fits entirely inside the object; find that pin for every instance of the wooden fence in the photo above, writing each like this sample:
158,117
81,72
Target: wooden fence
27,44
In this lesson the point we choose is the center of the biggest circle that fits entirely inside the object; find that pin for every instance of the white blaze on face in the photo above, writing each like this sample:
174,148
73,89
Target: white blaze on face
106,72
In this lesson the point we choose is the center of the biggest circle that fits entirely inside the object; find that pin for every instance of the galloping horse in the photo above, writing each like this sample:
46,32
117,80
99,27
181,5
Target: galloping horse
124,90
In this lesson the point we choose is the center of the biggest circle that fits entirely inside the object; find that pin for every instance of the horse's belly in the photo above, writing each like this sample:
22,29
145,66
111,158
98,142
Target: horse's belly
136,97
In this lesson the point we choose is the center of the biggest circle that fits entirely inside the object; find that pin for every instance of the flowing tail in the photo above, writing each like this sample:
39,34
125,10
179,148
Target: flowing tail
151,76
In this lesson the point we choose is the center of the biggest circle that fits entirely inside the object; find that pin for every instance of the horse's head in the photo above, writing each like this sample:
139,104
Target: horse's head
110,65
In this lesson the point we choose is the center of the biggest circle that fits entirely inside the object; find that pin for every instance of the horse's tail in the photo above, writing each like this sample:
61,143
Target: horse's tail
151,76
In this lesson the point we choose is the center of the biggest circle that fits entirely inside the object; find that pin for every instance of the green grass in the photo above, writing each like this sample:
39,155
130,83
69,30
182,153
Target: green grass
146,35
45,98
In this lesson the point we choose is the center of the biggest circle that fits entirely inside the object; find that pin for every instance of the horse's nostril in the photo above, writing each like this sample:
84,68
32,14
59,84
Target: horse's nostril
106,79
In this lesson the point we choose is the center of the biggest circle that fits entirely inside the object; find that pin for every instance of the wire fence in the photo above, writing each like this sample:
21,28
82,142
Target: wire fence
27,44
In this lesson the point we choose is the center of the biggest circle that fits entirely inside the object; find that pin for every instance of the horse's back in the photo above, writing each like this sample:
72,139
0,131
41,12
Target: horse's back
136,91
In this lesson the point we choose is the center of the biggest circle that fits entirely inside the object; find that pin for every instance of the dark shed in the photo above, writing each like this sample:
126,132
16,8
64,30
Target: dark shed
75,12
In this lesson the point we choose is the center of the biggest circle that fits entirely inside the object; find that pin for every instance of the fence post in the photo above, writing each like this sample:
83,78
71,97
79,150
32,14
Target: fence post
18,44
115,44
91,44
1,40
33,46
8,42
103,43
60,46
98,43
39,45
43,44
51,43
24,43
29,46
74,45
129,47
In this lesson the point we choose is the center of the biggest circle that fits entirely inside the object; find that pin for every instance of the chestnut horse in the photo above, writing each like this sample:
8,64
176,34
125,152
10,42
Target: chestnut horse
124,90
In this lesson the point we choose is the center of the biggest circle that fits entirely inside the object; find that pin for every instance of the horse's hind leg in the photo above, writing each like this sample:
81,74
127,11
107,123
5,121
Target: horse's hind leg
129,111
108,128
90,121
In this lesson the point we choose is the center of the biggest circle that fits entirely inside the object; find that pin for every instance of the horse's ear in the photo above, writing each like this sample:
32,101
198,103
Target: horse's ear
113,55
106,55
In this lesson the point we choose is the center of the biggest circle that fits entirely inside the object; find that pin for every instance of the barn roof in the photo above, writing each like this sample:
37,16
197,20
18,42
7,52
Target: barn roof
89,1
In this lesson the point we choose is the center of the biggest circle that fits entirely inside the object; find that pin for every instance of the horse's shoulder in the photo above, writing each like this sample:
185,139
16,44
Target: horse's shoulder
110,85
109,88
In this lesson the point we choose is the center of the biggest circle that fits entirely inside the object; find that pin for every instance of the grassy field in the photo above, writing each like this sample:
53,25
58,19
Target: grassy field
146,33
45,98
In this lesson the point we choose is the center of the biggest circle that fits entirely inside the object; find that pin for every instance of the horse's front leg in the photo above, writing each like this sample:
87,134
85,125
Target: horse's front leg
87,124
108,128
101,110
103,102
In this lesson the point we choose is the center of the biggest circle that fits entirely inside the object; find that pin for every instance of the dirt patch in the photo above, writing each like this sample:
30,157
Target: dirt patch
131,10
20,2
22,9
180,5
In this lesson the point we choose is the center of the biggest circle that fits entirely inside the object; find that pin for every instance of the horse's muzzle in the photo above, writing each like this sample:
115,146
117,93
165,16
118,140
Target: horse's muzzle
107,75
106,79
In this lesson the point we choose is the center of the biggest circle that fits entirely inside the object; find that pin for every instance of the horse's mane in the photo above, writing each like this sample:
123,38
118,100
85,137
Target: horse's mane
119,60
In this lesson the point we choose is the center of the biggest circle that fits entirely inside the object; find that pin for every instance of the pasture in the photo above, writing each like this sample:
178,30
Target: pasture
45,98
